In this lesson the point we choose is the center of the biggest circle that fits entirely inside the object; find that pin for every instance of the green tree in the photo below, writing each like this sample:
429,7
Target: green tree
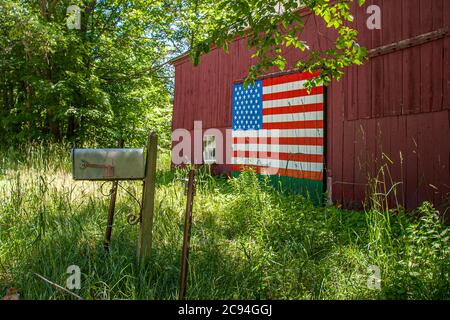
111,79
106,81
272,25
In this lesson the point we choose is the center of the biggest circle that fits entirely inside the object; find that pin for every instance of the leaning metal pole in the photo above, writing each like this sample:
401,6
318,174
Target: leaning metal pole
111,209
187,234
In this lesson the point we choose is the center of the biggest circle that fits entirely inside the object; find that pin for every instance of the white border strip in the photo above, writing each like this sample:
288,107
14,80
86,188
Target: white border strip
280,164
290,117
317,98
280,133
288,86
280,148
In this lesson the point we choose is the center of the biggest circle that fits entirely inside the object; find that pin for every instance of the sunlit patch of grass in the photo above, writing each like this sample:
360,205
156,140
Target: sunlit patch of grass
248,241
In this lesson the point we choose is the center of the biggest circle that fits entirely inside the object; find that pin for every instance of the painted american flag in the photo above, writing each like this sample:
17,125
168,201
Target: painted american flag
278,127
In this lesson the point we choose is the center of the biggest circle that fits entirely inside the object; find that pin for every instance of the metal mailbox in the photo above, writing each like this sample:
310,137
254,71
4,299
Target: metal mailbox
108,164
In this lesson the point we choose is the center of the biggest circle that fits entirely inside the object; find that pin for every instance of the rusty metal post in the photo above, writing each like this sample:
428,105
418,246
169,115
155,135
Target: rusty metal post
111,209
187,234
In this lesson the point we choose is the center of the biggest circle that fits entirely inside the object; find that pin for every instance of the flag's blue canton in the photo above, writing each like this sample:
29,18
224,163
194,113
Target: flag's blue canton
247,106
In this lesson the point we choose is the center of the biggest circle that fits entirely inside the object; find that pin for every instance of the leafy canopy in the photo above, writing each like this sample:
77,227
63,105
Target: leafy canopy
272,25
107,81
111,79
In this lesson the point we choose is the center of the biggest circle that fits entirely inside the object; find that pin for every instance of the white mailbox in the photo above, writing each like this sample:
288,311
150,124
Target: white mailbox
108,164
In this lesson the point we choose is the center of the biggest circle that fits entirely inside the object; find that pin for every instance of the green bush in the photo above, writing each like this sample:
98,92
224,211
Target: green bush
422,271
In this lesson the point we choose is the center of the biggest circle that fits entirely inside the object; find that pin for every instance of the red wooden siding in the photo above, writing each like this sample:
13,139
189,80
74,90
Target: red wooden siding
395,109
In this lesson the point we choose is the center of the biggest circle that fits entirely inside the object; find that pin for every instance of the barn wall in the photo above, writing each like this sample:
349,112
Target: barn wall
393,111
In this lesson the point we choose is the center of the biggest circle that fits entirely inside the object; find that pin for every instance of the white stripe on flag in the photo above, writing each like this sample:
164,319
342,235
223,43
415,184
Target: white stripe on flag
281,133
281,164
317,98
294,149
288,117
294,85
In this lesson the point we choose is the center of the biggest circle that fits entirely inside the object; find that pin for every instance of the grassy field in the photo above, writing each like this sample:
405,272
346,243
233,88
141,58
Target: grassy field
248,241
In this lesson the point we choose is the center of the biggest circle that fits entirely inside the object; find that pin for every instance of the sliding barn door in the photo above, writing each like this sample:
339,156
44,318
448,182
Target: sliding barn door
278,130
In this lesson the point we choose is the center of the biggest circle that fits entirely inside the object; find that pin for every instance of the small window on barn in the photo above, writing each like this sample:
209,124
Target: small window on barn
209,149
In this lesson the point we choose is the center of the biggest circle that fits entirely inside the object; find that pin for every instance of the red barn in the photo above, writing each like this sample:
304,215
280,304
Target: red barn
393,112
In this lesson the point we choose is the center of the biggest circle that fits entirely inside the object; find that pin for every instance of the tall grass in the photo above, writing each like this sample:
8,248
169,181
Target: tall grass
248,240
415,252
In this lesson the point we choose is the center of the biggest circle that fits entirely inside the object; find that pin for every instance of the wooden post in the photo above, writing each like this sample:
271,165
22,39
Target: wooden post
144,245
112,207
187,234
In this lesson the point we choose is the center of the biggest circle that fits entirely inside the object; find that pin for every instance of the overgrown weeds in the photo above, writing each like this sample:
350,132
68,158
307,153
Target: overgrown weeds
414,248
249,241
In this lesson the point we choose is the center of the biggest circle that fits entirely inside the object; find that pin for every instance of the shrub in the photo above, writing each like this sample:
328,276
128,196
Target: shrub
423,269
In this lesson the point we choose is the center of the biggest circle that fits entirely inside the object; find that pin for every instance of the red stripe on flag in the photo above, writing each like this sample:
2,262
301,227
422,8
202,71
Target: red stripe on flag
292,94
311,175
290,78
315,158
310,124
293,109
306,141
